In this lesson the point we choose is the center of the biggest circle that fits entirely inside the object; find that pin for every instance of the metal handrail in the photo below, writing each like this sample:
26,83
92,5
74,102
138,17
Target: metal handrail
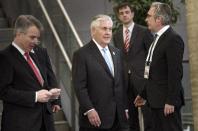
55,35
70,23
72,118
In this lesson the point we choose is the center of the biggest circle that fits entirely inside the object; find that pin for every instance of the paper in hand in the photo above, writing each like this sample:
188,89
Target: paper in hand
55,93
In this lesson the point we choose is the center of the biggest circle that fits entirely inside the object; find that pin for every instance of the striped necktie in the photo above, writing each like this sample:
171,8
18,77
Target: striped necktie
127,40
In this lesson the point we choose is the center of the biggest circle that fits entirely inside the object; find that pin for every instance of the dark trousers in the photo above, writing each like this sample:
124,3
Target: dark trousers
43,128
133,83
134,119
148,124
171,122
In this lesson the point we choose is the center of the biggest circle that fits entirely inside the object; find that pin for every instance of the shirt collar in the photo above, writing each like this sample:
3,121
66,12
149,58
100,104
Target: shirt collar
130,28
161,31
99,46
19,48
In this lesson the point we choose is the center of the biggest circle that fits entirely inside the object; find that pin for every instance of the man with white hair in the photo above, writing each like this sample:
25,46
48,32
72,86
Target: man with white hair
98,80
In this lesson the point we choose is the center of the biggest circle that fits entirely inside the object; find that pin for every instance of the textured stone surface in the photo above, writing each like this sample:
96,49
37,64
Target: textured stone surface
192,29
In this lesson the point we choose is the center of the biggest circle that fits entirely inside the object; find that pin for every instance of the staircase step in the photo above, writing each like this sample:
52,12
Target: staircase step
59,116
62,126
3,23
6,34
6,37
1,12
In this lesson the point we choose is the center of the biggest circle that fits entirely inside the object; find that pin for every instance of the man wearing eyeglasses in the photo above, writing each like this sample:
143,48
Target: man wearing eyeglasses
133,40
163,71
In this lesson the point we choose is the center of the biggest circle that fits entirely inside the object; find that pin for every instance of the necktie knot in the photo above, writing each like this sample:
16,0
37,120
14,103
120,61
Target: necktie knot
27,55
104,50
155,36
126,31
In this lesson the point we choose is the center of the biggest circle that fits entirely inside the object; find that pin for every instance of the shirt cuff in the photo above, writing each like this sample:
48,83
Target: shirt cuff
35,97
88,111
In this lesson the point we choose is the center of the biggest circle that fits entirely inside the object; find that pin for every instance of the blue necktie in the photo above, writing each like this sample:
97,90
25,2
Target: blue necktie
107,59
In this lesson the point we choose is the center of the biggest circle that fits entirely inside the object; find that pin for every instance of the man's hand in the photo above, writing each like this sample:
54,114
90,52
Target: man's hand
43,96
168,109
55,108
94,118
139,101
55,93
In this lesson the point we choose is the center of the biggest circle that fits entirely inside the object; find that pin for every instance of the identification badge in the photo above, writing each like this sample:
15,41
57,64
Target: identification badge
146,71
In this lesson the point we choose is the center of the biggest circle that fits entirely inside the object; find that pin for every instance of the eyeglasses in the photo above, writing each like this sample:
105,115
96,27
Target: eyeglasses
38,42
149,16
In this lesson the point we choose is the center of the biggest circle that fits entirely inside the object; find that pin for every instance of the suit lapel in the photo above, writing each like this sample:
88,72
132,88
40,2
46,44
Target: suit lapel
133,37
161,39
35,59
18,56
114,58
98,56
120,38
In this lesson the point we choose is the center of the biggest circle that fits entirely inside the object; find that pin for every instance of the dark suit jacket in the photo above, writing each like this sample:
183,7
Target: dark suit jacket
96,87
134,60
18,85
164,84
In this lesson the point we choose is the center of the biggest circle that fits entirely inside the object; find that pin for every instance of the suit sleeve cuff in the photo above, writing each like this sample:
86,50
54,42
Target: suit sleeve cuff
36,97
88,111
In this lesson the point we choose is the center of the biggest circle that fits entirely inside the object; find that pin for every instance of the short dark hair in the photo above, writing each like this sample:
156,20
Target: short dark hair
23,22
122,5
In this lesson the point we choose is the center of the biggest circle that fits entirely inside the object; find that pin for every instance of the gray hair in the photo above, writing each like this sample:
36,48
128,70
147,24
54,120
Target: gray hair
163,11
23,22
98,18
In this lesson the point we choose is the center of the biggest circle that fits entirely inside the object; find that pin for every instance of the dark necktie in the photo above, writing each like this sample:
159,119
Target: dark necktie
151,50
36,72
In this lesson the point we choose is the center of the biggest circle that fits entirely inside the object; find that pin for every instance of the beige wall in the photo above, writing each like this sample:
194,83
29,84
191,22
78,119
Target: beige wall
192,28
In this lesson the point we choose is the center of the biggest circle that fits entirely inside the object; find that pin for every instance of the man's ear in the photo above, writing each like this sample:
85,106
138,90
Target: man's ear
18,34
93,30
158,20
132,13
